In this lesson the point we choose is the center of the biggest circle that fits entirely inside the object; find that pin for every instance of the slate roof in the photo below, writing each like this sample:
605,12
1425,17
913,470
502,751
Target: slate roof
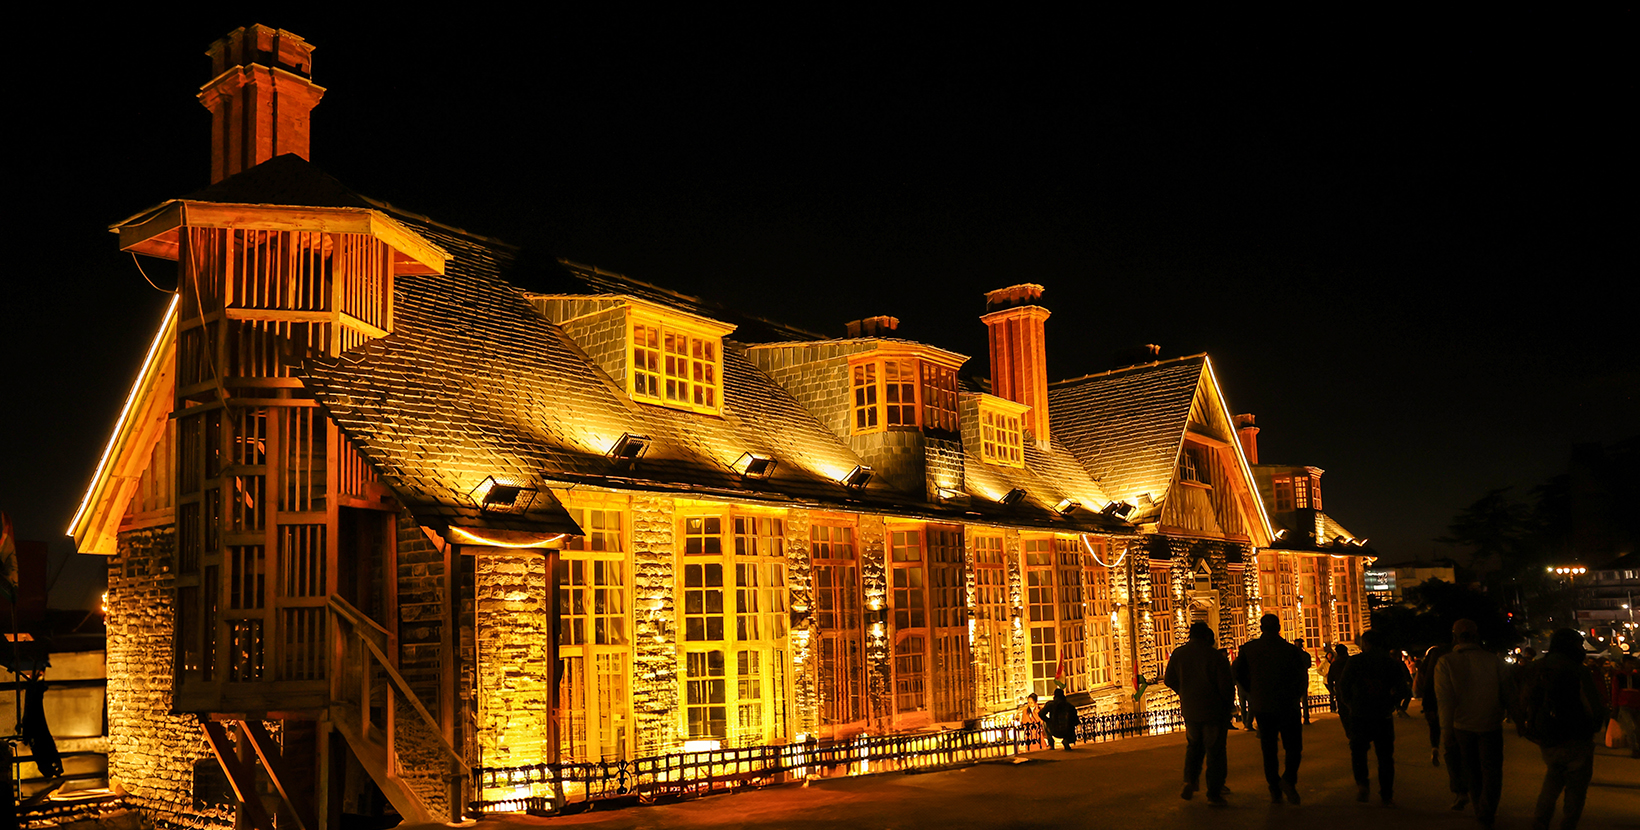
1126,425
474,382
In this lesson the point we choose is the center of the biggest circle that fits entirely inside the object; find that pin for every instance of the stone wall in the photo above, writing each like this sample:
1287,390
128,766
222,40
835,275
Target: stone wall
151,752
815,374
805,698
514,674
423,594
655,699
602,335
872,545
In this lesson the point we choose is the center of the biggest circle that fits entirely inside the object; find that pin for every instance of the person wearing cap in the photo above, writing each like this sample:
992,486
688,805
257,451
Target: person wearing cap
1475,693
1271,674
1200,674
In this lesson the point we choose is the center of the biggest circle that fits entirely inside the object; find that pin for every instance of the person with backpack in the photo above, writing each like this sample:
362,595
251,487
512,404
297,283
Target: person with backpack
1563,711
1373,686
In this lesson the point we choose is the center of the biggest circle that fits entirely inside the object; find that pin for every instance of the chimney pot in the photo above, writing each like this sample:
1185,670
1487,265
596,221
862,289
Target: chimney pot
879,326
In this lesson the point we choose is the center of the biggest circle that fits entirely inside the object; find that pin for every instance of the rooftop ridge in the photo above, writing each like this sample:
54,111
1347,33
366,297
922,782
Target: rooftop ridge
1151,365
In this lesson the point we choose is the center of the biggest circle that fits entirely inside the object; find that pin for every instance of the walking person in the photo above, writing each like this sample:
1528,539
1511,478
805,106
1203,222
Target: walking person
1335,675
1304,702
1059,720
1200,675
1404,660
1373,685
1474,693
1562,711
1270,672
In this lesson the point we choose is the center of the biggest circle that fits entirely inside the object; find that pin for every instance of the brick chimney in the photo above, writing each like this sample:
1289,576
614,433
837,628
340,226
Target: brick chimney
1247,434
1019,361
261,95
879,326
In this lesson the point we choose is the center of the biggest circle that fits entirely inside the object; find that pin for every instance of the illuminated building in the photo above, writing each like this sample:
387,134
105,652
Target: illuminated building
1313,576
425,513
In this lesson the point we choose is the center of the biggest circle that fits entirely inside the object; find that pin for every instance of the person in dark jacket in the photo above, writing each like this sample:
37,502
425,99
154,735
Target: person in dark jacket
1374,683
1059,719
1335,675
1270,672
1200,675
1563,711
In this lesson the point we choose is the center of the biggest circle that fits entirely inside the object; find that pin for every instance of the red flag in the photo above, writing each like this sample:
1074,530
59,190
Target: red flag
1059,672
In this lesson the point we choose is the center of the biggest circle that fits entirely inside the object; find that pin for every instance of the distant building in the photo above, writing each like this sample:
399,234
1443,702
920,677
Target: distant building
1605,603
1388,583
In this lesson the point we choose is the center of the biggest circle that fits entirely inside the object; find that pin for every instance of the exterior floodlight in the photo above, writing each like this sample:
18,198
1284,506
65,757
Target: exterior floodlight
858,477
753,467
629,449
500,496
1119,509
1067,507
1012,497
1281,535
947,494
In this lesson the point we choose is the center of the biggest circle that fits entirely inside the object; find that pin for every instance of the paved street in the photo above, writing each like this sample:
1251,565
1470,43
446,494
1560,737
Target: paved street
1134,784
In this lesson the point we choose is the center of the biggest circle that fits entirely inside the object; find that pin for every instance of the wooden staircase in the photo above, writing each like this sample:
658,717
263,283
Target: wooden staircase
366,695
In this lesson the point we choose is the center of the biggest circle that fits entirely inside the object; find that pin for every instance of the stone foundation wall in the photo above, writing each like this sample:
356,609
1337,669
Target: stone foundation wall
150,751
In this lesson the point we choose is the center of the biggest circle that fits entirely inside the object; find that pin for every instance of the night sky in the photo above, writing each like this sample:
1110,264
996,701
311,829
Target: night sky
1398,239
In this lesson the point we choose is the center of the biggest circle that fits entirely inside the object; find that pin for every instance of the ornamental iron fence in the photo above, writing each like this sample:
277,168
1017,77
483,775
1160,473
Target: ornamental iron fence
545,788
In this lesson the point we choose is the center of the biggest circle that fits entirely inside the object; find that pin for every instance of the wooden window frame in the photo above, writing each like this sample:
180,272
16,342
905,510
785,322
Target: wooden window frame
743,553
842,602
660,374
993,616
877,402
605,547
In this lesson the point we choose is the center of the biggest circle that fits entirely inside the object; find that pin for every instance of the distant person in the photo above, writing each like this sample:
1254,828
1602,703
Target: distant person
1335,674
1475,692
1562,711
1200,674
1373,686
1423,685
1030,722
1270,673
1407,667
1521,670
1059,720
1304,702
1625,698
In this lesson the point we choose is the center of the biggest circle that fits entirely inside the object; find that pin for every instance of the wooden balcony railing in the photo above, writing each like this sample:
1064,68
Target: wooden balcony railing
366,691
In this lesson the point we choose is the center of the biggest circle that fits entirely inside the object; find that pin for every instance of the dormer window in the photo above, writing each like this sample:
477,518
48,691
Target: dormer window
1297,492
1001,434
676,362
894,391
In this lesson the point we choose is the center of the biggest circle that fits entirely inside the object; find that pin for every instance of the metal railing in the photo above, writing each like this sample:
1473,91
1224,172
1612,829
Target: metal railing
691,774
